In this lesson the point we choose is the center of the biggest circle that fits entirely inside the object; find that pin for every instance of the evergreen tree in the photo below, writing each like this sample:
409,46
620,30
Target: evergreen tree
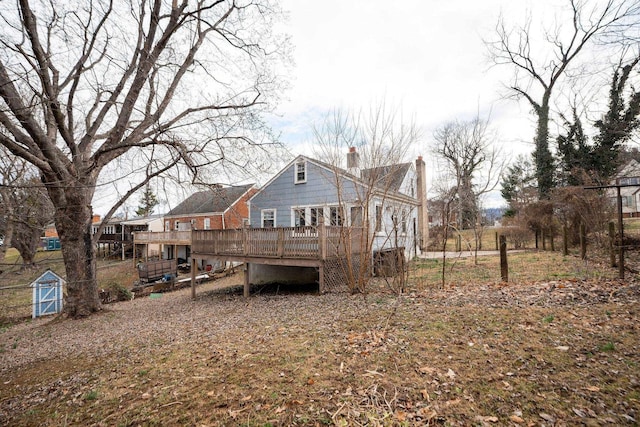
148,202
519,185
583,163
619,122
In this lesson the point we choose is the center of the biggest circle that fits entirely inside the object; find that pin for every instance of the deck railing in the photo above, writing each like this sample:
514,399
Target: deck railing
114,238
281,242
168,237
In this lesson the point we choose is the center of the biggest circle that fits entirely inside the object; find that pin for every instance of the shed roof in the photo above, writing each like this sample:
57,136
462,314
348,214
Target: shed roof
47,276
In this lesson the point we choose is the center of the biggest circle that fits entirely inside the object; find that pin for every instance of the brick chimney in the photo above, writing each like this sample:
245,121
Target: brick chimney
353,161
423,213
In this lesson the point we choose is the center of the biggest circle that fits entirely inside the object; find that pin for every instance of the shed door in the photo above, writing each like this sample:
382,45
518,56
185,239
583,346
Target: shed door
48,299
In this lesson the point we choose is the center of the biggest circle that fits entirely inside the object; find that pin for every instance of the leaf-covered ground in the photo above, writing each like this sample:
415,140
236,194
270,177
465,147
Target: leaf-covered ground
561,352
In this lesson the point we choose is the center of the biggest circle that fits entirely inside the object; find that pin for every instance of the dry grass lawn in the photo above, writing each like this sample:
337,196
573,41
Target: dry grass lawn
556,347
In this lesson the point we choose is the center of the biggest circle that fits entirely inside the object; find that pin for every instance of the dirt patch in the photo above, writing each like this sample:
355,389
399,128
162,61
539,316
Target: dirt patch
560,352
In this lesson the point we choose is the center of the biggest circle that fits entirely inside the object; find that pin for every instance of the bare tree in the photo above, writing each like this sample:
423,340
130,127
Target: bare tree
472,161
537,72
84,84
32,214
474,164
25,207
14,172
378,141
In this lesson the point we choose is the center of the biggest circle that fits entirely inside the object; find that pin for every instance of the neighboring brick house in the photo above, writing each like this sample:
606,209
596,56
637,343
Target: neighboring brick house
218,208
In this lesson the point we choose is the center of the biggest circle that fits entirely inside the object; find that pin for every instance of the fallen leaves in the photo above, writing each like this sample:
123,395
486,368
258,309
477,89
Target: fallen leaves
443,358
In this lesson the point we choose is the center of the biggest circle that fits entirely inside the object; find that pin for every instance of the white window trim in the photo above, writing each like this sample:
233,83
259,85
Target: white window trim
339,209
305,211
295,172
275,216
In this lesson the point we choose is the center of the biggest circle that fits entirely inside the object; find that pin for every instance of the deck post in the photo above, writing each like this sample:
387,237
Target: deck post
247,284
321,284
322,235
193,277
280,242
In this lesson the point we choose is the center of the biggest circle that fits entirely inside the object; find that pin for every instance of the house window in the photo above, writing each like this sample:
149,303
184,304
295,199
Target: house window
167,225
378,218
301,172
207,223
627,201
177,224
268,218
403,223
335,215
356,216
299,217
315,215
629,181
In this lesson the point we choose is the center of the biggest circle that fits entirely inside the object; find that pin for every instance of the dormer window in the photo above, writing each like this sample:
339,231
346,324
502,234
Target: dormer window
300,172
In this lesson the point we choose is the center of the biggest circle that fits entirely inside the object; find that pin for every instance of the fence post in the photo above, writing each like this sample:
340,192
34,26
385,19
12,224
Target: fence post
497,244
459,243
504,267
565,240
583,241
612,240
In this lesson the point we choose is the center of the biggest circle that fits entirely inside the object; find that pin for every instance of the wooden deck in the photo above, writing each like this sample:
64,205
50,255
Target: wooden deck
282,246
292,245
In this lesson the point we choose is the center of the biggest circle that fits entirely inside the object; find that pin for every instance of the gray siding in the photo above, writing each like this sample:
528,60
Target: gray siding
283,194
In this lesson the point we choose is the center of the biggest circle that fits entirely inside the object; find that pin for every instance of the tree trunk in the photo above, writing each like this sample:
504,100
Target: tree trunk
73,223
542,155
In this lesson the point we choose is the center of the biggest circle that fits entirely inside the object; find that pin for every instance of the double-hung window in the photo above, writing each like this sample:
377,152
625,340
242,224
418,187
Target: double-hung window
403,224
300,172
268,218
299,217
335,215
378,218
314,216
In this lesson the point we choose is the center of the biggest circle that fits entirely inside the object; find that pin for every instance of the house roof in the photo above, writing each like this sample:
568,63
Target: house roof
215,200
142,220
387,177
629,169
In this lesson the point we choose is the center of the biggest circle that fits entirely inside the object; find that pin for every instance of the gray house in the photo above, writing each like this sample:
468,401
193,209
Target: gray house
314,222
388,201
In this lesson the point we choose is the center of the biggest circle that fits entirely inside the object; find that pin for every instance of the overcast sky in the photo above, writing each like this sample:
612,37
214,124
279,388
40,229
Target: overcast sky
426,56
